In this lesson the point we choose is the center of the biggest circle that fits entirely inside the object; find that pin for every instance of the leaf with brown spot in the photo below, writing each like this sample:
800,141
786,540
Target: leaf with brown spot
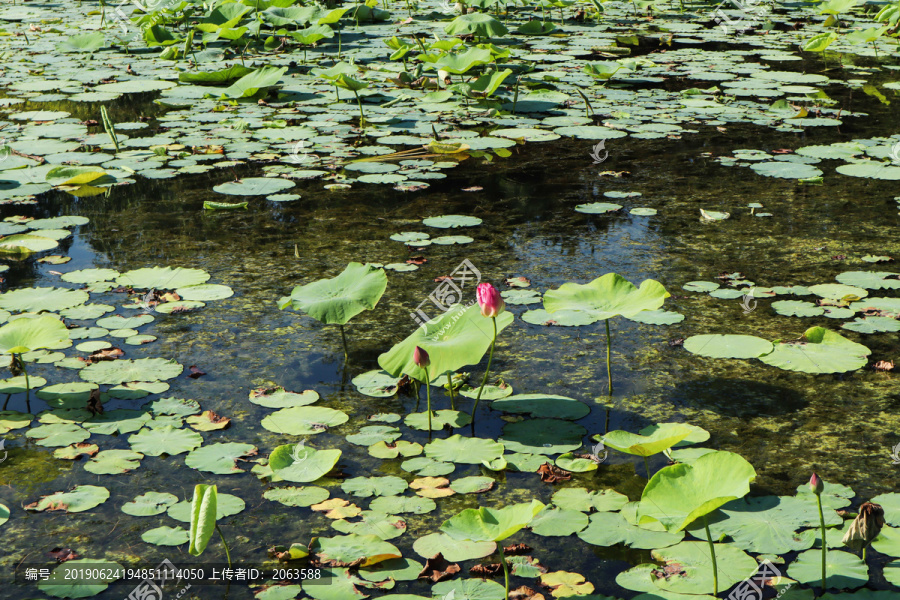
62,554
337,508
74,451
417,260
518,282
208,421
437,568
525,593
551,473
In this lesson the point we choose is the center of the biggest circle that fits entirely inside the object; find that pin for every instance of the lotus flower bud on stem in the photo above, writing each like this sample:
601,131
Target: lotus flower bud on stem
816,484
489,300
420,357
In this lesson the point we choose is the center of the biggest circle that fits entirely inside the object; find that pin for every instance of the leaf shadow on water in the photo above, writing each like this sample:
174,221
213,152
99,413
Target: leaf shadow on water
739,397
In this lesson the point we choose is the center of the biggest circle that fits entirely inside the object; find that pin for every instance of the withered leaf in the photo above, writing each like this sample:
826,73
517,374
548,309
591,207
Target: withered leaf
525,593
551,473
437,568
62,554
195,372
485,571
517,549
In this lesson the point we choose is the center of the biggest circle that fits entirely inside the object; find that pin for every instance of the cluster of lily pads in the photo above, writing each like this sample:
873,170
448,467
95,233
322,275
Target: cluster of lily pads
342,94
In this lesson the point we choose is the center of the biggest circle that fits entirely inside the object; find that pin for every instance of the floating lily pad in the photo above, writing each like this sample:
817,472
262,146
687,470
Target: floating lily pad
610,528
149,503
79,499
297,496
452,549
843,569
220,458
278,397
543,405
123,370
76,578
162,278
41,299
166,536
254,186
302,464
226,506
451,221
544,436
164,440
818,351
597,208
727,346
304,420
365,487
463,450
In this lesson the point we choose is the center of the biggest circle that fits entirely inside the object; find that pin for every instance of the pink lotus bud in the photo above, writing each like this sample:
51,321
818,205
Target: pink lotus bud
816,484
420,357
489,300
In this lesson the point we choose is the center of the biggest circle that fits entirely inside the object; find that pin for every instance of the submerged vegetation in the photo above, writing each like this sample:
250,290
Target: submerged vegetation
349,490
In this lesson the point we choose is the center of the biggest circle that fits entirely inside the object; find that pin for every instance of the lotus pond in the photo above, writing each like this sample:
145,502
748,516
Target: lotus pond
240,244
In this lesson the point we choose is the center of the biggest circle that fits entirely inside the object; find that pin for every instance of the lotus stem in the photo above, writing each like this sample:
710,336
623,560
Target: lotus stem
450,388
344,340
486,372
647,467
362,117
428,396
416,387
505,569
824,545
224,543
712,555
27,384
608,353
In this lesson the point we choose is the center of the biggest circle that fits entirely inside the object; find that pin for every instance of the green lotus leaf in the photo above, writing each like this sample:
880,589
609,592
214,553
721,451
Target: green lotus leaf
439,419
335,301
304,420
695,574
377,384
162,278
727,346
302,464
75,578
41,299
251,83
402,448
610,528
278,397
427,467
149,504
220,458
113,462
297,496
23,244
797,308
364,550
164,440
607,296
468,589
679,494
491,524
472,485
597,208
381,525
58,434
79,499
481,25
873,325
763,524
451,221
556,522
83,42
4,514
663,437
452,549
172,406
575,464
459,337
166,536
837,291
123,370
365,487
818,351
373,434
254,186
870,280
464,450
27,334
843,569
402,504
543,405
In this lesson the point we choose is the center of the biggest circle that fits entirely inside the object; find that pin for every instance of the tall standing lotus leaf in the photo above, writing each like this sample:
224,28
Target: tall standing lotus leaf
335,301
459,337
251,83
678,495
662,438
608,296
27,334
481,25
492,525
459,63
